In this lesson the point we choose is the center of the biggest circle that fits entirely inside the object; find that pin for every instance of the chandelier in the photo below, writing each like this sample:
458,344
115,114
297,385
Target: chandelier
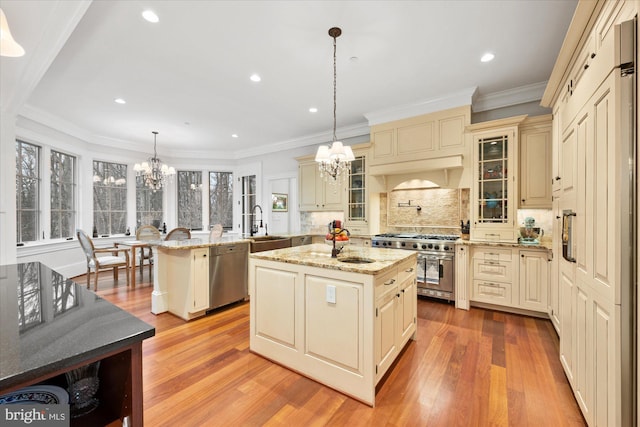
154,173
334,161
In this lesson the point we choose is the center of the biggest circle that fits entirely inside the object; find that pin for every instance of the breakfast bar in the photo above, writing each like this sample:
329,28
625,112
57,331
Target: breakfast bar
340,321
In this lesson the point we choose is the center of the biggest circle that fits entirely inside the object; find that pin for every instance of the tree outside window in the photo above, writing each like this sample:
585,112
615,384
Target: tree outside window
63,190
27,191
221,199
109,197
190,199
148,205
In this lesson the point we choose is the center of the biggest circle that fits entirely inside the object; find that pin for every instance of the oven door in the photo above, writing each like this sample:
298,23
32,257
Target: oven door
438,272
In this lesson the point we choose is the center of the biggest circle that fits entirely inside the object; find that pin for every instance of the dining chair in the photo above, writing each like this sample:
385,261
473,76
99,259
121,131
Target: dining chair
179,233
97,262
147,232
216,232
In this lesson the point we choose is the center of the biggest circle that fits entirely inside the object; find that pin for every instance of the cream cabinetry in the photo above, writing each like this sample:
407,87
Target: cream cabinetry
534,280
396,312
511,277
341,328
315,193
357,196
585,90
553,294
423,137
535,163
186,274
494,193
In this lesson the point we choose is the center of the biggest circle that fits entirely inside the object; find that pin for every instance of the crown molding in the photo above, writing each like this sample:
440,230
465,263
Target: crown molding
456,99
507,98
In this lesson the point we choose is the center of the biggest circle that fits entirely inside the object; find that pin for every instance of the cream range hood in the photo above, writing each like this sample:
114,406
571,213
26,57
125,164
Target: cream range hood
447,172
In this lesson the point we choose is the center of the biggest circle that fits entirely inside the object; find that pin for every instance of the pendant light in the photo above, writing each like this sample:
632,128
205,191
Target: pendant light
334,161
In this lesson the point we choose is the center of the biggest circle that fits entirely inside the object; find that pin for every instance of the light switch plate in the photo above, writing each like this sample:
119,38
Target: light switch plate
331,294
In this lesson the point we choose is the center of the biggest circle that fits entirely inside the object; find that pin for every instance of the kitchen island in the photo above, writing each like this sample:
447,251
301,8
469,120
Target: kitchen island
50,325
340,321
184,270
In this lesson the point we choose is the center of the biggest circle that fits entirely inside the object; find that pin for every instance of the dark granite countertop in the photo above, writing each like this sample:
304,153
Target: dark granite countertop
49,323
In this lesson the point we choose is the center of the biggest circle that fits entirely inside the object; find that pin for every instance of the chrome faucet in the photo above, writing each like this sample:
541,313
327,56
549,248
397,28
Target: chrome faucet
254,228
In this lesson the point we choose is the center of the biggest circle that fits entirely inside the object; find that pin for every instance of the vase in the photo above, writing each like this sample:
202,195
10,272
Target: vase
83,385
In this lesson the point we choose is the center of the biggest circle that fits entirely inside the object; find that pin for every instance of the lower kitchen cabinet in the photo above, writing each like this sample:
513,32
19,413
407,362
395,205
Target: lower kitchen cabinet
534,280
187,279
510,277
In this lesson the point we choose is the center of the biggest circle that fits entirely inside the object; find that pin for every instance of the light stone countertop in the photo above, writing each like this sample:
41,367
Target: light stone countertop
202,243
545,245
319,255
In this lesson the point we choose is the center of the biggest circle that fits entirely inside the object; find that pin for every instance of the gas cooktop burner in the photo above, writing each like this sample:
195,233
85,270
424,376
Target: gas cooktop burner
417,236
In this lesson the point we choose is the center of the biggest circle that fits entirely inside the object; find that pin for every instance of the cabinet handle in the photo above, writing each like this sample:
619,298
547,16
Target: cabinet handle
409,271
390,282
593,55
586,66
557,217
558,178
398,295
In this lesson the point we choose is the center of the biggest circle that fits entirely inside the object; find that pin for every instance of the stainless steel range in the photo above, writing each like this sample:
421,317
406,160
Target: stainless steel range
435,260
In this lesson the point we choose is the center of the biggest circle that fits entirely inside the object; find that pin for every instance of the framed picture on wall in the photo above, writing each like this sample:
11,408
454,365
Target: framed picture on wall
279,202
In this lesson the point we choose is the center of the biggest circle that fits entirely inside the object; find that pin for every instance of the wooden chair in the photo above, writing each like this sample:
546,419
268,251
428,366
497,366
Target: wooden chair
179,233
147,232
216,233
97,263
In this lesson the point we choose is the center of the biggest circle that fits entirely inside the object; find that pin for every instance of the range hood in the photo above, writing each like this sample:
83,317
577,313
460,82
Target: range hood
397,172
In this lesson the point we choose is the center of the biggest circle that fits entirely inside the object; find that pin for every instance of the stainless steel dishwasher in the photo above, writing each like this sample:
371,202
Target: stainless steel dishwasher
228,274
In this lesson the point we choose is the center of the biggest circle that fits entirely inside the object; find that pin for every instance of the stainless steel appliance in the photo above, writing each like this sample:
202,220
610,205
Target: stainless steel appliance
228,274
435,260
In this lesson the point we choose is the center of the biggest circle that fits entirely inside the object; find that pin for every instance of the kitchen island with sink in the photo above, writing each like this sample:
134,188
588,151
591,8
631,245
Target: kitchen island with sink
340,321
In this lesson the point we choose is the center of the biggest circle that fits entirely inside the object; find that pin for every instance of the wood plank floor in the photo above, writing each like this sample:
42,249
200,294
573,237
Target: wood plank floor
467,368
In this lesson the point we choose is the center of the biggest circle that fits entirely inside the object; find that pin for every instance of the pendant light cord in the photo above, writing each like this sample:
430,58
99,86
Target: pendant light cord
334,89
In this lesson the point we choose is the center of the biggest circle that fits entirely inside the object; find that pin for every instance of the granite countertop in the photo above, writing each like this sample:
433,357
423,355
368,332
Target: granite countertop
49,323
202,243
545,245
319,255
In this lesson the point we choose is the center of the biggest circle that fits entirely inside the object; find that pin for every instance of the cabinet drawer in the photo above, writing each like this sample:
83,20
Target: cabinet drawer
492,270
491,292
406,270
386,282
492,254
494,235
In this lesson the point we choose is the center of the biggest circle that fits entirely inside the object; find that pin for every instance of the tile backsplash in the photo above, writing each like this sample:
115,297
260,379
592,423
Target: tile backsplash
316,222
441,210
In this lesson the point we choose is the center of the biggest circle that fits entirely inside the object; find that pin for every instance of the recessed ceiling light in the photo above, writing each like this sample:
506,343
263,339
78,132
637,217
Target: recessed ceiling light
150,16
313,110
255,78
235,135
119,101
487,57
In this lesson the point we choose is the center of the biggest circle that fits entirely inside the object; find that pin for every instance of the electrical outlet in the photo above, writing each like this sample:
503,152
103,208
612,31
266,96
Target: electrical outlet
331,294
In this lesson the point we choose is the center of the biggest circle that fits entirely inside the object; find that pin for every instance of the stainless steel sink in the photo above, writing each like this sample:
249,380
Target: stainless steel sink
267,243
357,260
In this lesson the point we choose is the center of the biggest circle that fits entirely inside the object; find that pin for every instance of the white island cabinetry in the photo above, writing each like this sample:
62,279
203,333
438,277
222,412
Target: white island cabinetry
338,323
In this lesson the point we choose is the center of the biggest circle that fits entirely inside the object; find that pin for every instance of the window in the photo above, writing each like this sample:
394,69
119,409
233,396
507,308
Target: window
248,202
148,205
190,199
63,184
27,191
109,197
221,199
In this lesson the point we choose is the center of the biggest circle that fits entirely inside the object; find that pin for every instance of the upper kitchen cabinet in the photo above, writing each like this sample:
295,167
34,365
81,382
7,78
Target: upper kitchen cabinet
358,204
316,194
495,154
428,136
535,163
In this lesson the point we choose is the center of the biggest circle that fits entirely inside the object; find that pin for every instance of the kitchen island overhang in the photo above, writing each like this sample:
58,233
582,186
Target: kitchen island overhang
339,323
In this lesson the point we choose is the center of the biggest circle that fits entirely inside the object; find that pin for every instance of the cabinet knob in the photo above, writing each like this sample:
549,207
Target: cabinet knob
593,55
522,200
522,255
557,217
557,178
586,66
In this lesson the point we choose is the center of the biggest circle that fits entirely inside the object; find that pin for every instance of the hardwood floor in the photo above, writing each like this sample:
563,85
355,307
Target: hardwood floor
466,368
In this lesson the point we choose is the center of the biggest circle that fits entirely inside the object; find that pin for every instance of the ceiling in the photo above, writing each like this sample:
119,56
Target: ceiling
187,76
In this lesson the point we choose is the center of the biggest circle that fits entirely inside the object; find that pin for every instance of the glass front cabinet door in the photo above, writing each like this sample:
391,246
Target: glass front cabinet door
356,214
494,185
